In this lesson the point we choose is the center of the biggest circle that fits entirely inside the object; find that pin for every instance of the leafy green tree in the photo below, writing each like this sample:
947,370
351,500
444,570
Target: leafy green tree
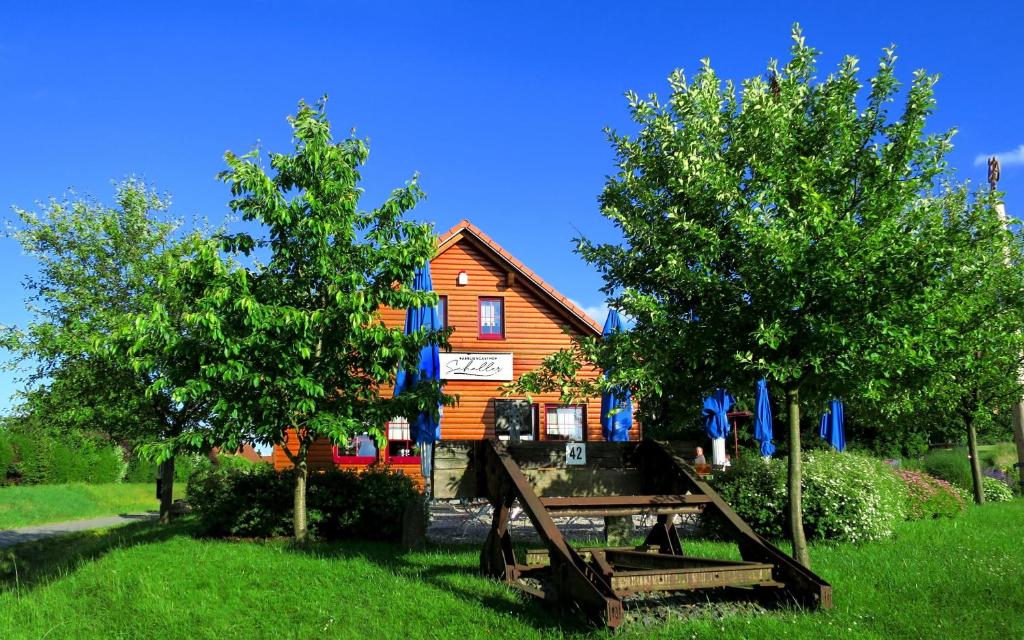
790,228
974,330
98,268
292,348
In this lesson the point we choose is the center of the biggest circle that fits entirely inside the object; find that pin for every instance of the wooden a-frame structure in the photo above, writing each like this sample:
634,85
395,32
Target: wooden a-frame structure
618,479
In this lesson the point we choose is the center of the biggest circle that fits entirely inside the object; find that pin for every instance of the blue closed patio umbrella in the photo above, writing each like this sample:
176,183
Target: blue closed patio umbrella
763,419
716,408
615,427
426,429
831,428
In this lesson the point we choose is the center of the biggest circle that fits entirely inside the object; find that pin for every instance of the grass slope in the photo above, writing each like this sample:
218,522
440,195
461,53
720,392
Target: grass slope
936,579
22,506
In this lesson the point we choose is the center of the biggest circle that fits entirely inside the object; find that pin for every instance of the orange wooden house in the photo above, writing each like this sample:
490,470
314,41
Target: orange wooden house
505,320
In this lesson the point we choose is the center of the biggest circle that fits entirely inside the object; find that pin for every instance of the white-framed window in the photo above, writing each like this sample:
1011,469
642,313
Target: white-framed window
400,444
565,422
398,429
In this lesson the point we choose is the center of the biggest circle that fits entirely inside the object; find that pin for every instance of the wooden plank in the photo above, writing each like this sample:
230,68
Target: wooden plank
584,482
626,501
616,505
644,560
685,579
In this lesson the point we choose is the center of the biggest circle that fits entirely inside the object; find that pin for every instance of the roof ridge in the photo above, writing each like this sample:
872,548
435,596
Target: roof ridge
572,307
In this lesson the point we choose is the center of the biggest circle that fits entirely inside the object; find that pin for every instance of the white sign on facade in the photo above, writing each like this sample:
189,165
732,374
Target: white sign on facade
476,366
575,453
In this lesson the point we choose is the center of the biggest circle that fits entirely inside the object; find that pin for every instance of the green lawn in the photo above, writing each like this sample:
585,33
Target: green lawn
936,579
39,504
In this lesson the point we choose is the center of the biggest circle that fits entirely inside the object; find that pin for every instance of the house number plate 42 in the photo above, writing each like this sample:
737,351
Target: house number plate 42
575,453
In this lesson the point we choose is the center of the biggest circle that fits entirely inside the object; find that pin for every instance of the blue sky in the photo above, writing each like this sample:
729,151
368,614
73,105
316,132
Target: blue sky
499,106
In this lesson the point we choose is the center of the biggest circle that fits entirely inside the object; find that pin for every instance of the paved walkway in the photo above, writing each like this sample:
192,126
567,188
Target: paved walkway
11,537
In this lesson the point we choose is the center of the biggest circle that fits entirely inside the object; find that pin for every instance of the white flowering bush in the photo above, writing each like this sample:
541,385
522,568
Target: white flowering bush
847,497
996,491
851,498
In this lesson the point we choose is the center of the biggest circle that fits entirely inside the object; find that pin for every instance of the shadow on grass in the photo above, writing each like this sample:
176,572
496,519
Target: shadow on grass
31,564
434,571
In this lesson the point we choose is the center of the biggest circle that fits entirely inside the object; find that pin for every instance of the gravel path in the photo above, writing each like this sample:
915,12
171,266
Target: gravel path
470,522
11,537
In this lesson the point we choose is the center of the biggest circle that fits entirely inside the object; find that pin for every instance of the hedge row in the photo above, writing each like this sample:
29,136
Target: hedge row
846,497
258,502
39,458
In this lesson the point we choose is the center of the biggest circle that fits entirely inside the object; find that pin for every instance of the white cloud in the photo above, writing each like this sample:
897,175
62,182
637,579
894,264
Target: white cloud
1006,158
599,312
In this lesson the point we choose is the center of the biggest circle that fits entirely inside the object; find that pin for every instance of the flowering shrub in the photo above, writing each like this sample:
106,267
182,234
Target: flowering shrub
850,498
847,497
930,497
995,491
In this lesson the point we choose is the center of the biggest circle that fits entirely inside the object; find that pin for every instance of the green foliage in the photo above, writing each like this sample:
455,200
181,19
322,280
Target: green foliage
951,465
996,490
42,456
142,470
233,502
293,348
6,455
847,497
96,267
765,231
756,489
257,502
297,342
851,497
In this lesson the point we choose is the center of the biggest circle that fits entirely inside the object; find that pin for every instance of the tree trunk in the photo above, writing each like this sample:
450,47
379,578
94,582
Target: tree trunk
796,513
299,517
166,489
972,450
1018,436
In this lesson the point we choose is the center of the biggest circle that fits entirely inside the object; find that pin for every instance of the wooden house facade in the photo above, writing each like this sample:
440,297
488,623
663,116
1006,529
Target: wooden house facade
505,320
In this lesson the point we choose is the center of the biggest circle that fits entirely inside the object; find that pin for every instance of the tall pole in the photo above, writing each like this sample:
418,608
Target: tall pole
1018,407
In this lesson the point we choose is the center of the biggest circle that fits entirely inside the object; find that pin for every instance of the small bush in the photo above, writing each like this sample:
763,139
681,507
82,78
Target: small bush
951,465
846,497
257,501
930,497
6,456
756,490
31,458
995,491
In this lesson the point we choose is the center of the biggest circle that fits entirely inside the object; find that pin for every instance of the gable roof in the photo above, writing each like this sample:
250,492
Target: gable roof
467,229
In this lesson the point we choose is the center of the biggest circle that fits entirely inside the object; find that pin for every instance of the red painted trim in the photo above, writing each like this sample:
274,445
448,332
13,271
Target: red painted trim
480,318
340,459
403,459
555,405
